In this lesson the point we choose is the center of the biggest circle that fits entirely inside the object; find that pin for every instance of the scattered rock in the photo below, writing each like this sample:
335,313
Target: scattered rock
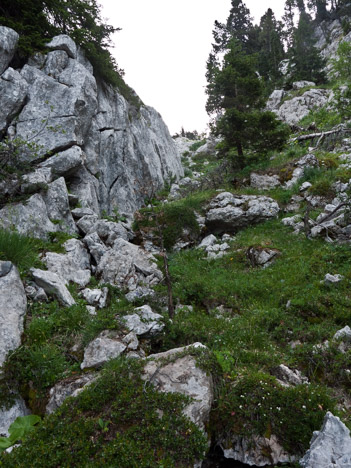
259,256
330,447
344,334
332,279
144,321
108,345
288,377
53,285
140,292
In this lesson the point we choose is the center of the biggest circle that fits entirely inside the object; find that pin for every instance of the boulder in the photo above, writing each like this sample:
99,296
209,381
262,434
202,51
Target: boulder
13,91
68,388
108,345
63,42
259,256
144,321
288,377
176,371
55,63
30,218
344,334
229,213
264,181
141,292
13,307
72,266
109,231
332,279
8,44
302,84
330,447
53,285
128,266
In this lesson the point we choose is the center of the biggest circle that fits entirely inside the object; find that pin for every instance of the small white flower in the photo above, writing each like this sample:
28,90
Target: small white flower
303,407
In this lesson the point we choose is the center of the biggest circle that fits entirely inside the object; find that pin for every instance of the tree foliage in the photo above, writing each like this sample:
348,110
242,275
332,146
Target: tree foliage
37,21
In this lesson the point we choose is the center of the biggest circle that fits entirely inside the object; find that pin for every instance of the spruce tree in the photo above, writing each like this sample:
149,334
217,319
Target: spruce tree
271,49
235,95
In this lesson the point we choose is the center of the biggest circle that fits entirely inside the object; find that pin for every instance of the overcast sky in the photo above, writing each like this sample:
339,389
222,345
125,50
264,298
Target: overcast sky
163,48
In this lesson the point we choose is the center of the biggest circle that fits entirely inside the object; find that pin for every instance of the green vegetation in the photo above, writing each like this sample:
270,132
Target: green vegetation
118,421
22,426
18,249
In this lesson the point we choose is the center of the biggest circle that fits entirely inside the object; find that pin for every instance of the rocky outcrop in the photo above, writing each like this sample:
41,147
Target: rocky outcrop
228,212
330,447
13,306
176,371
112,153
143,321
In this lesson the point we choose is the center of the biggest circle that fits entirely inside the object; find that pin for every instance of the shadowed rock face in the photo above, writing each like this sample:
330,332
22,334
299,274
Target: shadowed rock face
113,153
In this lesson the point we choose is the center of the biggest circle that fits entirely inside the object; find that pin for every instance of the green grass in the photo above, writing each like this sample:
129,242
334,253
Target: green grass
18,249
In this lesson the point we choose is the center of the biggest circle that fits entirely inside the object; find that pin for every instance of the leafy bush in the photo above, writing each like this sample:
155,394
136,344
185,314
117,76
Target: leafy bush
323,118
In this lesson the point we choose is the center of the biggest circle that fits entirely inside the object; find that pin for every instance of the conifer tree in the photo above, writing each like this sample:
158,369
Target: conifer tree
271,49
235,94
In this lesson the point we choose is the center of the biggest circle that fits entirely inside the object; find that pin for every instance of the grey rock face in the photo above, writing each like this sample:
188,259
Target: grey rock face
30,218
57,204
181,375
95,246
13,91
228,212
139,293
330,447
114,154
66,162
8,44
144,321
128,266
253,450
13,307
8,416
108,345
53,285
109,231
65,389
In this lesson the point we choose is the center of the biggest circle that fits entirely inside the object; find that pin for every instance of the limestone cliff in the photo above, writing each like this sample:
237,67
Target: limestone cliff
118,152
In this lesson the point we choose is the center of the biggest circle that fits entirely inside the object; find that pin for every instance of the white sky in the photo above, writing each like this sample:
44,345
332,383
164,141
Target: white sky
163,48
